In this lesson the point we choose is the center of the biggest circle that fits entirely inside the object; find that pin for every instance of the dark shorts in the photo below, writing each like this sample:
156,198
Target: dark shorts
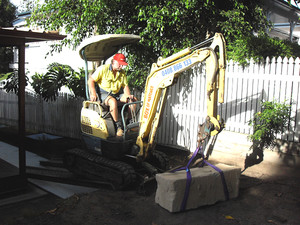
104,94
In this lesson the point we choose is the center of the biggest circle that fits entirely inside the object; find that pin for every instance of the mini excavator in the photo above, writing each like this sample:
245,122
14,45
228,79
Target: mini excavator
125,160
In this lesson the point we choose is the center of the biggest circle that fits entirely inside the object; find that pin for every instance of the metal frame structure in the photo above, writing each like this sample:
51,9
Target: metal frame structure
14,37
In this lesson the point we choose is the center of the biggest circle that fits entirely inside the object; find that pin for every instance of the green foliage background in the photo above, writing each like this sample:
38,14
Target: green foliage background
166,26
58,75
7,15
272,120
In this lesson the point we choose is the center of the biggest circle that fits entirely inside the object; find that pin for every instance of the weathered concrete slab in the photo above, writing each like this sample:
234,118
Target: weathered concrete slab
206,187
10,153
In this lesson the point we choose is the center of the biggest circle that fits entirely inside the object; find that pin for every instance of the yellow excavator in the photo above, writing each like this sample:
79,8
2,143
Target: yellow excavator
125,160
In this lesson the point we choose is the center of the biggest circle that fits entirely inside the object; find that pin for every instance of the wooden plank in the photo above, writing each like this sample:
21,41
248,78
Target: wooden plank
278,92
232,99
249,110
296,93
287,70
289,96
270,93
21,110
239,94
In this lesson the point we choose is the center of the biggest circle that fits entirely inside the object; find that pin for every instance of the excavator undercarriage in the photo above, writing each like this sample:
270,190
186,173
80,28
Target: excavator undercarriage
121,173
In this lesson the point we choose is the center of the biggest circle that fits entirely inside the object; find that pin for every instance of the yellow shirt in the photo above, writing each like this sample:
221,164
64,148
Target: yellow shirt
106,80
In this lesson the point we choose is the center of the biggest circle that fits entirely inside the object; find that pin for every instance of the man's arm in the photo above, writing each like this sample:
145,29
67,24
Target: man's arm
127,95
91,84
127,92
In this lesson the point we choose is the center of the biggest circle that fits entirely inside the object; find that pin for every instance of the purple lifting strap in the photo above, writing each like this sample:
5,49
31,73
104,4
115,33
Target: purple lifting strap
189,178
225,189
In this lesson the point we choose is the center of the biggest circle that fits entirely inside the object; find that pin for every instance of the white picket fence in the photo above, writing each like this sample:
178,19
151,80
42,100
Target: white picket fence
245,88
61,117
276,79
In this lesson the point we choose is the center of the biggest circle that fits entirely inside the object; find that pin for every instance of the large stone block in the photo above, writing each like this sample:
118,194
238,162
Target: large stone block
206,187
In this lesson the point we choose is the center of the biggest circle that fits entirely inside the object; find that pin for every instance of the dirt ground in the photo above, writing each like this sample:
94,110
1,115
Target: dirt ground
262,200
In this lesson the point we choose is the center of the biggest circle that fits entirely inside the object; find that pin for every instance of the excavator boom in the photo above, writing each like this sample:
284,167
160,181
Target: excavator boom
162,76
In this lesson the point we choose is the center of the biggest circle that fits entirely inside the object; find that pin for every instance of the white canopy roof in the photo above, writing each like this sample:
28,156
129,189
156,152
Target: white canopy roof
101,47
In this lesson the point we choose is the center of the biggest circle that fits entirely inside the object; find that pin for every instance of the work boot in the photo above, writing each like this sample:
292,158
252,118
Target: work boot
119,132
119,129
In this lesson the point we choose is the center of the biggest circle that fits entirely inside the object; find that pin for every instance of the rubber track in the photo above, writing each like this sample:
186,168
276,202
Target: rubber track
159,160
97,167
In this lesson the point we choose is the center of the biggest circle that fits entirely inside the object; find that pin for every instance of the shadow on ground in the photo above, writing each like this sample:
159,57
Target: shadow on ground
260,201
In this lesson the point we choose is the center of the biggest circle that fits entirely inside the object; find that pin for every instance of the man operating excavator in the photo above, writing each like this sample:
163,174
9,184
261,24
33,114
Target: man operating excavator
111,78
133,157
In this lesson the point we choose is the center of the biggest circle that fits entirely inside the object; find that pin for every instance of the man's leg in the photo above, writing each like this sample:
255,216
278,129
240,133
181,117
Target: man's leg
113,108
125,99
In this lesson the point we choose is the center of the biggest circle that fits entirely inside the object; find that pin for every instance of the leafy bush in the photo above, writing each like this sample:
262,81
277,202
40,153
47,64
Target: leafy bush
6,57
258,48
48,85
12,81
272,120
76,83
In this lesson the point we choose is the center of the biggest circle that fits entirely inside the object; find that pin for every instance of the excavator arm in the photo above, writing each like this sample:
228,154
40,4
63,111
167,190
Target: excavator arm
164,73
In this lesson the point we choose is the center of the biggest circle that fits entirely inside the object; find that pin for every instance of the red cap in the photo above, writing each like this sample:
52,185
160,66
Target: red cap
120,58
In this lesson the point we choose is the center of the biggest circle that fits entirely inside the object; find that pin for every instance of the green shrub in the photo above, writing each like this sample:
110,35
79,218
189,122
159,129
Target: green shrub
258,48
49,84
272,120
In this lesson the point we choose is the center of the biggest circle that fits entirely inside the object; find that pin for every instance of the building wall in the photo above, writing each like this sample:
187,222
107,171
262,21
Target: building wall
37,60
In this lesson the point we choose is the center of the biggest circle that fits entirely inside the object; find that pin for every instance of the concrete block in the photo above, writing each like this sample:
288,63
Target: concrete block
206,187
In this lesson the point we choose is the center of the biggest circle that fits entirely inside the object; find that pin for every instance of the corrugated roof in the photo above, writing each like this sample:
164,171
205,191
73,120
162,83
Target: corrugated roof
13,36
